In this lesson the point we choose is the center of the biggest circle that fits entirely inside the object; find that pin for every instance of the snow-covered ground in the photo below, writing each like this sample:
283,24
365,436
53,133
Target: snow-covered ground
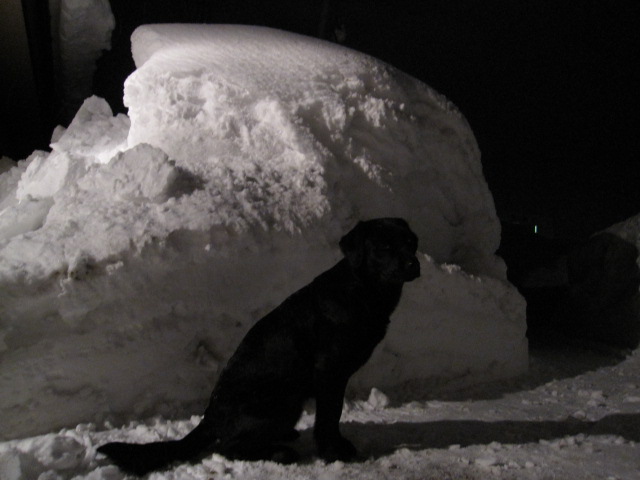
136,253
575,415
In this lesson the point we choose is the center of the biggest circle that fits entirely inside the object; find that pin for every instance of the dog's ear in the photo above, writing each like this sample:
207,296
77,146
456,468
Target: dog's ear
352,245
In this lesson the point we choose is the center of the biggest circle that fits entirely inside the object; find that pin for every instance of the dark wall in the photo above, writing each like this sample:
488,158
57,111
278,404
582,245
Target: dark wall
26,78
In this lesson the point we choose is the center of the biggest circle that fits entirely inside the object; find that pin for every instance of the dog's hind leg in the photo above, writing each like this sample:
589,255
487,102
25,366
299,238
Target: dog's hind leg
259,438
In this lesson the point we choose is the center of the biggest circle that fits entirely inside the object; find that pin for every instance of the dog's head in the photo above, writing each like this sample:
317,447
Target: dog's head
384,249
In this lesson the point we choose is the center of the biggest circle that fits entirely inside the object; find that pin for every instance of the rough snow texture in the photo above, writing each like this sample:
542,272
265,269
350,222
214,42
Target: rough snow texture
576,415
136,254
356,138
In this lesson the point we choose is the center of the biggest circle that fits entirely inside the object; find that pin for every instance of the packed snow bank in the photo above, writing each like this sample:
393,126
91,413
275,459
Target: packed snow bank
136,254
360,138
451,329
603,299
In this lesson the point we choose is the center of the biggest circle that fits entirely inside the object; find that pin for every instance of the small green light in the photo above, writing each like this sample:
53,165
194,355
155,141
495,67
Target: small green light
535,229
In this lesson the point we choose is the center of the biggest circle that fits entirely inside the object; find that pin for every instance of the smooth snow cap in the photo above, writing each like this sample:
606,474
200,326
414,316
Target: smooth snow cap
341,135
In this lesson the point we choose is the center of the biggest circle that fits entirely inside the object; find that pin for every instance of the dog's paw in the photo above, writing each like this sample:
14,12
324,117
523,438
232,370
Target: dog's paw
340,449
291,436
284,455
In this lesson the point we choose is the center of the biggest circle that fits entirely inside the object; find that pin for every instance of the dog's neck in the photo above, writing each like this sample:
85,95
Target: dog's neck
384,295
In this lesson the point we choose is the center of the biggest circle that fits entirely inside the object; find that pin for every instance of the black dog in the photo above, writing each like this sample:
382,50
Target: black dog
308,347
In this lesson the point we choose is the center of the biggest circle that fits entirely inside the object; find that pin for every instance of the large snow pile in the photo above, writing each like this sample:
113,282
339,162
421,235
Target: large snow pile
136,254
628,230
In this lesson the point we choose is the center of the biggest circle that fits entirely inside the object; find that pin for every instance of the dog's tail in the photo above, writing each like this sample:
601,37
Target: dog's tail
140,459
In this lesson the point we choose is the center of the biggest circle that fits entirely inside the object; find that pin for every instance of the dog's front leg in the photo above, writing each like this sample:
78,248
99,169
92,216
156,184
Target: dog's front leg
331,444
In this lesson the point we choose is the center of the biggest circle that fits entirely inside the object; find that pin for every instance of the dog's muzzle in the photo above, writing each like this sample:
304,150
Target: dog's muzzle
412,269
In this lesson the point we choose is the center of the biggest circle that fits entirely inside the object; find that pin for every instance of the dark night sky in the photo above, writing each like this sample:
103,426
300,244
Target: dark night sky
549,87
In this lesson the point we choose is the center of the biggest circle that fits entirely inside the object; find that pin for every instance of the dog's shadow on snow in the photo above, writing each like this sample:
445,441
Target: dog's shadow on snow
377,440
545,365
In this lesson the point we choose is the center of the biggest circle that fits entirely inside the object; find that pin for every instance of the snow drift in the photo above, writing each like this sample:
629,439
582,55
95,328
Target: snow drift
136,254
629,231
603,299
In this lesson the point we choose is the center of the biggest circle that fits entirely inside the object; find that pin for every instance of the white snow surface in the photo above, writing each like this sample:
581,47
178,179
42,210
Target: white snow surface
356,137
575,415
136,254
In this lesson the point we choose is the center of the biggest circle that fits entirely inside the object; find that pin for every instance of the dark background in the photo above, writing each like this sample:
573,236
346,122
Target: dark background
549,87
